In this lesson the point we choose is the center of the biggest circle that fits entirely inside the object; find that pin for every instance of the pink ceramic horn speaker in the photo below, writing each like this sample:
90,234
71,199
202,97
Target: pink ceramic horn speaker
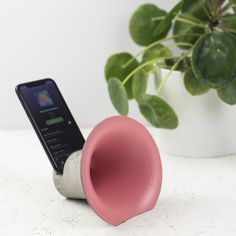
119,170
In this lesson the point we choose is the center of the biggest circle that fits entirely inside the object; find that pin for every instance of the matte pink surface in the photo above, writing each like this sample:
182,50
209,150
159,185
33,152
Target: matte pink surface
121,169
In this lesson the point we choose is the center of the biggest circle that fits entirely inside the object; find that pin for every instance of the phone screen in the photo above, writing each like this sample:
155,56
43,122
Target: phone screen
53,120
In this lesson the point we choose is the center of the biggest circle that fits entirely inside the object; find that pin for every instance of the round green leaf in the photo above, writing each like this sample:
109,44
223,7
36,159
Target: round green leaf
181,27
228,93
118,96
228,22
115,67
165,24
157,52
195,8
158,112
193,85
139,84
143,23
213,59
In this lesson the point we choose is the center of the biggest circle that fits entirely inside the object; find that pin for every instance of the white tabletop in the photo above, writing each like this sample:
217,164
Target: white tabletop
198,197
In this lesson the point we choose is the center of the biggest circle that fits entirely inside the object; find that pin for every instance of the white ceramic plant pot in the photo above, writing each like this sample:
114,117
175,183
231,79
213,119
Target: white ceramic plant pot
207,126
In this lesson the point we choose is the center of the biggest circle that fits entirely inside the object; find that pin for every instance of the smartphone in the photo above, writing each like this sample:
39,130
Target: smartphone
51,119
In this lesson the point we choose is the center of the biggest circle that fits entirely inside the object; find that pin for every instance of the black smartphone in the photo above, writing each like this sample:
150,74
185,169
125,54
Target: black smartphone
51,119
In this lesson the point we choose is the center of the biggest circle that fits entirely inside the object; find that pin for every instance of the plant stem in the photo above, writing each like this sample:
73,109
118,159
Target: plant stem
158,18
225,8
220,3
171,70
184,44
209,7
157,77
165,67
229,18
205,9
139,68
230,30
181,19
157,43
155,69
215,7
233,5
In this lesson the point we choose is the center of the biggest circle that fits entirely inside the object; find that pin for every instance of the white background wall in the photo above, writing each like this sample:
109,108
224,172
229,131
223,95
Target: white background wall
69,41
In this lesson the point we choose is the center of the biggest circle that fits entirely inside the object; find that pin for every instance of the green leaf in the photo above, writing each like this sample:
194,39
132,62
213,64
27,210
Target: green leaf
228,93
182,26
213,59
157,52
115,67
158,112
165,24
228,23
139,84
193,85
118,96
144,22
197,9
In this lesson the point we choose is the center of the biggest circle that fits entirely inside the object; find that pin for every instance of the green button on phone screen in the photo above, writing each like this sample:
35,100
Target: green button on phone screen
54,121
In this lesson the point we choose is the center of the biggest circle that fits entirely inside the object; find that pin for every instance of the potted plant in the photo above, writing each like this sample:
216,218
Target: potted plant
205,31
